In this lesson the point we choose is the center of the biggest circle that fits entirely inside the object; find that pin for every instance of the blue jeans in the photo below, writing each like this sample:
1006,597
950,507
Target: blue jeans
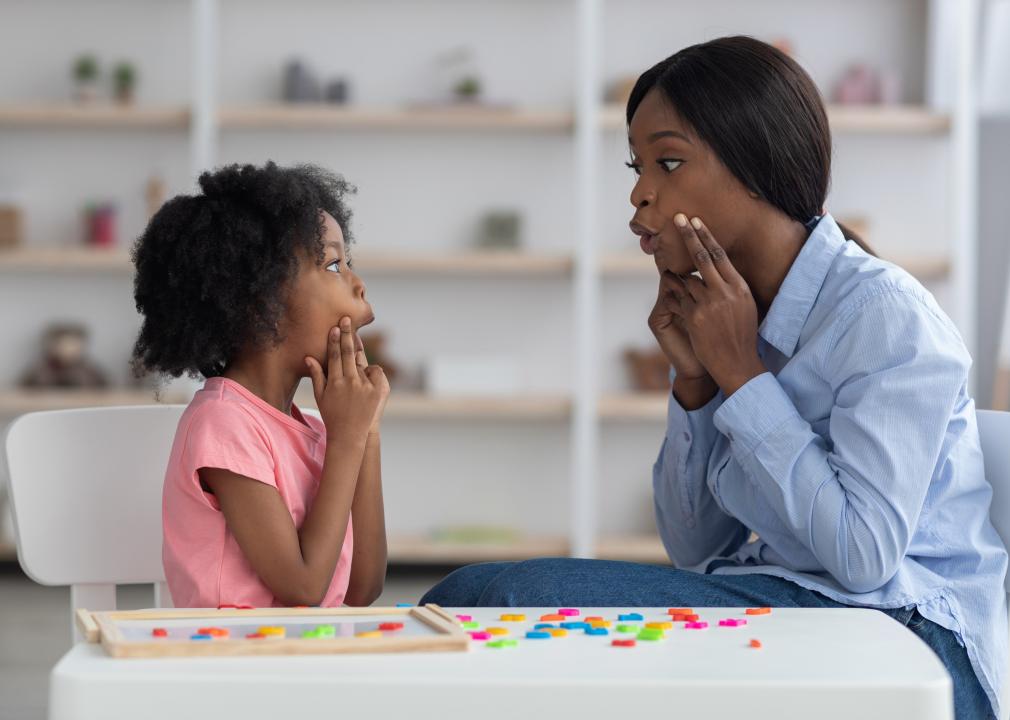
553,582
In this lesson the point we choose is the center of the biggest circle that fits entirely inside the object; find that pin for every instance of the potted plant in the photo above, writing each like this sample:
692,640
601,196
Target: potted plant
86,78
124,78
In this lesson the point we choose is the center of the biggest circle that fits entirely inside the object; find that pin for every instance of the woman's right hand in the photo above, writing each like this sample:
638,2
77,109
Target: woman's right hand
693,386
347,396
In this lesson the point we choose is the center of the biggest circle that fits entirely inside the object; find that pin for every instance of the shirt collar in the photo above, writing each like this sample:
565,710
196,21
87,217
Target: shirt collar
795,298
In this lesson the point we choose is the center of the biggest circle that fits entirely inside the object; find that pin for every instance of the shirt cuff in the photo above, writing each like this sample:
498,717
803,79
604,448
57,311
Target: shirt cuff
754,412
685,428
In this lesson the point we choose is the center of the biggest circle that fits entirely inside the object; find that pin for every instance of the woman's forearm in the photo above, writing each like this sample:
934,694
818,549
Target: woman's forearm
368,566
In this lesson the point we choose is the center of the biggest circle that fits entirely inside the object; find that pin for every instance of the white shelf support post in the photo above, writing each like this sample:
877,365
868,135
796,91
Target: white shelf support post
585,423
203,128
964,218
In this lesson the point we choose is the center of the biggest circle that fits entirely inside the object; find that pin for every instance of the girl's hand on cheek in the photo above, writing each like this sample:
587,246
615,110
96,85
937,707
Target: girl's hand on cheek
379,377
347,396
719,311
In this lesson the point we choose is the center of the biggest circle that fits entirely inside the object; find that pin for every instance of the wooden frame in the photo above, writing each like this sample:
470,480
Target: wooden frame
104,628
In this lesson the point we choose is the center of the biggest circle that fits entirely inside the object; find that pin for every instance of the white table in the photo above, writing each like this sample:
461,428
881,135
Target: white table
825,663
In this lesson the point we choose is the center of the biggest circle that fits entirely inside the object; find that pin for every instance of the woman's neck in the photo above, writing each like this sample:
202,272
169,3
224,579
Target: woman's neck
267,377
763,257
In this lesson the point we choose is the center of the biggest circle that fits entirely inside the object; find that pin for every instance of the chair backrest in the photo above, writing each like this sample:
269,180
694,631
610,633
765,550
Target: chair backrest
994,432
85,489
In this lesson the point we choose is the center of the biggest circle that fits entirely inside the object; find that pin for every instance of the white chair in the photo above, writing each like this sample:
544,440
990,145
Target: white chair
85,489
994,432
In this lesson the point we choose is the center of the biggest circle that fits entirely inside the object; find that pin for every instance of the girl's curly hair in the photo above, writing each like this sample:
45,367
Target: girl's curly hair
212,269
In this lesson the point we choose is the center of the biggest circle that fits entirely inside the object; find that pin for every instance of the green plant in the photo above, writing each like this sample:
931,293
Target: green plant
124,75
86,68
468,87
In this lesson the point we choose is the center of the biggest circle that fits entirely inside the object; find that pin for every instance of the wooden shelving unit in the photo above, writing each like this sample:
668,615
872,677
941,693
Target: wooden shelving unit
422,550
17,401
925,268
97,115
420,406
894,119
466,262
329,117
634,407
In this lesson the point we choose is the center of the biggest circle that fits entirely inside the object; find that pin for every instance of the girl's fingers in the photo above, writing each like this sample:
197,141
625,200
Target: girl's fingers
334,367
359,352
316,374
701,256
720,260
347,361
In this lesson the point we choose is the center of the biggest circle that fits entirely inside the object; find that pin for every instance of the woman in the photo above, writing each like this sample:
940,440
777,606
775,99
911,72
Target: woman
819,394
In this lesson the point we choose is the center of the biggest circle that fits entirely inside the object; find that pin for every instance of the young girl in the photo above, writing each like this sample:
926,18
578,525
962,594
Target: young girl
250,284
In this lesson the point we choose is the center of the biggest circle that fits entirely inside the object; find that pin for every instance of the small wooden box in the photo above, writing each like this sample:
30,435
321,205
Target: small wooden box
10,226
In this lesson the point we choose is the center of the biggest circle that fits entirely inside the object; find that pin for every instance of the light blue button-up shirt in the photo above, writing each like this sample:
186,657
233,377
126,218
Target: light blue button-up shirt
855,459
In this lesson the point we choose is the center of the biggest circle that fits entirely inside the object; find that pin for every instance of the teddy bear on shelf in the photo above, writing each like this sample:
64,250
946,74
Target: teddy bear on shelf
63,362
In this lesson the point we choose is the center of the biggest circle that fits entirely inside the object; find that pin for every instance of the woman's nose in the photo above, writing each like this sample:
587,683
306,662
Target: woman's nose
642,196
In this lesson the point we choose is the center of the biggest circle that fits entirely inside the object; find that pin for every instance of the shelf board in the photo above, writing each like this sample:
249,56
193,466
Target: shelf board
421,549
97,115
634,407
465,262
444,263
420,406
329,117
637,264
18,401
895,119
65,259
632,548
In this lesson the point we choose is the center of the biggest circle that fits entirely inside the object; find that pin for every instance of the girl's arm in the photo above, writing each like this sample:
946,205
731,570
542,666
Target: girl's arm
368,566
297,565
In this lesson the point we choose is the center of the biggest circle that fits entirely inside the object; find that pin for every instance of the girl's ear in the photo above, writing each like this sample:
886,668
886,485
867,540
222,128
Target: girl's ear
753,194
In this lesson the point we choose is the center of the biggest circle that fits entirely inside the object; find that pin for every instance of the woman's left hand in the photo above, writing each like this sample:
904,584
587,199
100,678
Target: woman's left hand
719,311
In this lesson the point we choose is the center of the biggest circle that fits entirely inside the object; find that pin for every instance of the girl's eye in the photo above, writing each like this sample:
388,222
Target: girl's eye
635,167
333,265
670,165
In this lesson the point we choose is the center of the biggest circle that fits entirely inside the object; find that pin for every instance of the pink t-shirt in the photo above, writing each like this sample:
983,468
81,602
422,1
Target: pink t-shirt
228,427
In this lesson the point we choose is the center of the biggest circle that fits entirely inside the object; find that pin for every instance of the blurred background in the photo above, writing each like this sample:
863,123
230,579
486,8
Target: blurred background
486,139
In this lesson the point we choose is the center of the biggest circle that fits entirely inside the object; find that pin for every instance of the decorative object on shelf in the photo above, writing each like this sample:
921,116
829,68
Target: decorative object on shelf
457,77
85,73
859,85
124,80
63,363
619,90
472,375
376,354
500,230
154,195
100,225
11,224
649,370
338,91
300,83
863,85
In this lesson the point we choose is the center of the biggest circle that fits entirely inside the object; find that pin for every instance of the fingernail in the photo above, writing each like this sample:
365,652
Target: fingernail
696,223
335,333
680,219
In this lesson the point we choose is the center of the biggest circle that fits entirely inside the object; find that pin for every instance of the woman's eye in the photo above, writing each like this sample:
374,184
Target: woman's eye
635,167
333,265
670,165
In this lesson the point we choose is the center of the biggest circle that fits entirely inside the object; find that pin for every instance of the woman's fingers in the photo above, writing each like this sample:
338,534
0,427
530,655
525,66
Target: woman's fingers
720,260
347,361
700,254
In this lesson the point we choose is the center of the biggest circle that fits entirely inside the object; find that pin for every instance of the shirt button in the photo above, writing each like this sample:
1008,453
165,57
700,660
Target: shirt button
687,437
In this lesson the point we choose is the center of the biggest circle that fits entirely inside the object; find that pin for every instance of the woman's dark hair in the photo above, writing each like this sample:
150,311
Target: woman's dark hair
212,269
760,113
